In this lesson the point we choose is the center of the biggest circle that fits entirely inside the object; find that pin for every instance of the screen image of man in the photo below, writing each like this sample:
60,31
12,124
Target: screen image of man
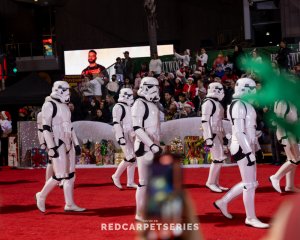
99,75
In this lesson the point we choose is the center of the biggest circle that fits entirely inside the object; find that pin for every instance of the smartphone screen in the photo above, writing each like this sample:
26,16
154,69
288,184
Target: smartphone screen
164,188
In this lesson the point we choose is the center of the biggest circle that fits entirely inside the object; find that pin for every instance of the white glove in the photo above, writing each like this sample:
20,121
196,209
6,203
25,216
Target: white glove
53,153
122,141
251,159
209,142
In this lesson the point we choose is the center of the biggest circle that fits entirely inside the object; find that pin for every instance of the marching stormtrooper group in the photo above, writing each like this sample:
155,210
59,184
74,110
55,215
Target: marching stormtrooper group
137,130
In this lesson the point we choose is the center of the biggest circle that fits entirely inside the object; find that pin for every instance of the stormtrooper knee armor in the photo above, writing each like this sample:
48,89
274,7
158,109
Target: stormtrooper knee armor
287,111
125,136
62,144
212,116
243,118
146,124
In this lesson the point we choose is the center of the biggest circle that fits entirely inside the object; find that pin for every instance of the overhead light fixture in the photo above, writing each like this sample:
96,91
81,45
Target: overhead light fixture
35,0
270,42
267,33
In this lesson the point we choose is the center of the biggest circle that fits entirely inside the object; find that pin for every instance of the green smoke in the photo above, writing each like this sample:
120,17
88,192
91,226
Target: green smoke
275,86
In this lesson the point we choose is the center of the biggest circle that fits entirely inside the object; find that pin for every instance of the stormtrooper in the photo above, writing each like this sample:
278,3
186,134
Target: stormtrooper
243,147
43,146
125,136
62,145
212,116
287,111
146,124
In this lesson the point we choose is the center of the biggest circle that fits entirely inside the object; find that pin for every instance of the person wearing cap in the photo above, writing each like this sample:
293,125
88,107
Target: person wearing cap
178,87
127,66
188,110
189,88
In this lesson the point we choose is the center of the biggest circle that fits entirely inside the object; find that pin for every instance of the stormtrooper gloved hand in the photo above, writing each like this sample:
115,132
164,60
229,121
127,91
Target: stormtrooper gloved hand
209,142
53,153
251,159
122,141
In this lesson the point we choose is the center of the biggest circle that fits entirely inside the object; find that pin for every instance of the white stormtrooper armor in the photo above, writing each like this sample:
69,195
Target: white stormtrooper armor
125,136
49,169
212,116
62,144
243,118
287,111
146,124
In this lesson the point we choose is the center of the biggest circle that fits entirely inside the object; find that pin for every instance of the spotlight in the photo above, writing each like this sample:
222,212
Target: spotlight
267,34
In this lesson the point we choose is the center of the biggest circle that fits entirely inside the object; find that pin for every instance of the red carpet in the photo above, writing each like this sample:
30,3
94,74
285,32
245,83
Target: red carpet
20,219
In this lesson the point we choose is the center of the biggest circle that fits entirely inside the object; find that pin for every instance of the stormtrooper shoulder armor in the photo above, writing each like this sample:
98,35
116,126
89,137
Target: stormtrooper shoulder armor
118,113
139,112
237,110
208,107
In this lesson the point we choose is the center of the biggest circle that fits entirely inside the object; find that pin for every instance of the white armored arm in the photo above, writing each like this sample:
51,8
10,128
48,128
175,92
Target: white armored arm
178,56
280,109
47,111
74,138
138,112
40,131
206,110
76,143
117,114
238,118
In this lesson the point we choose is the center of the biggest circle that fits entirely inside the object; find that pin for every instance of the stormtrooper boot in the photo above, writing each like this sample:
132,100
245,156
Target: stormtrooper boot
218,179
42,195
116,176
282,171
49,171
130,176
212,177
251,219
222,203
290,181
140,198
69,196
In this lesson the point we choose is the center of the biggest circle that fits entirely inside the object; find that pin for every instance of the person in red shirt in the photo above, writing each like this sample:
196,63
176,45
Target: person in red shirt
229,75
190,88
99,75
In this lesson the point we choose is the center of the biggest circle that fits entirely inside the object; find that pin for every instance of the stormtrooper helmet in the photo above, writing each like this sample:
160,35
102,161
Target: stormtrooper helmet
126,96
244,86
149,89
61,91
215,90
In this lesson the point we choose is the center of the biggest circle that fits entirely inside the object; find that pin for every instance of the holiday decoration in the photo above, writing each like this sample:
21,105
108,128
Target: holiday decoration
195,150
38,158
12,151
119,156
97,154
86,156
176,146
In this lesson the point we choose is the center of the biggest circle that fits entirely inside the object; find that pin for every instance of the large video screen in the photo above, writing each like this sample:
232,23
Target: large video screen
77,60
